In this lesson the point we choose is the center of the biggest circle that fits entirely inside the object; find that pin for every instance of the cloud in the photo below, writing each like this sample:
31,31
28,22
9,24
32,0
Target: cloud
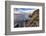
26,10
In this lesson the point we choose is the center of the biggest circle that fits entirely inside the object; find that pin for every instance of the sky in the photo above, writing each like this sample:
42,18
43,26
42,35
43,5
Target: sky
26,10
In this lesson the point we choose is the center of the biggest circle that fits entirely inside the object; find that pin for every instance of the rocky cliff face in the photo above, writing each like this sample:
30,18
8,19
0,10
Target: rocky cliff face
34,19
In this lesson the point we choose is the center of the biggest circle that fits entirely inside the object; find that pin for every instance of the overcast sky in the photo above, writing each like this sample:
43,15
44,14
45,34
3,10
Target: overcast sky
26,10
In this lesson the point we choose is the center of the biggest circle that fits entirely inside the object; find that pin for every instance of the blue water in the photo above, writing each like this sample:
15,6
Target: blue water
20,17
